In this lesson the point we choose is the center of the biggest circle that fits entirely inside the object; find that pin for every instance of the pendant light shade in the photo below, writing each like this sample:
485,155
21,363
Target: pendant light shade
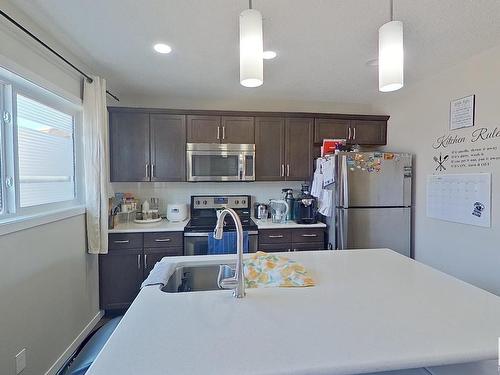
390,56
251,48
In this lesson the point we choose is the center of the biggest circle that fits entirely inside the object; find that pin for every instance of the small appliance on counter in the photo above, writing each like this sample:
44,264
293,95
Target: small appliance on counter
305,210
261,211
177,212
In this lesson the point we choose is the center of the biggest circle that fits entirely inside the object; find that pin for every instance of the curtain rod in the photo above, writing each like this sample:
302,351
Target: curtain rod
25,30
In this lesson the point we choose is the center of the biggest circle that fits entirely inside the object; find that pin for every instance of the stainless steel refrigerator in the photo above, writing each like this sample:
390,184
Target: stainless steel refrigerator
372,201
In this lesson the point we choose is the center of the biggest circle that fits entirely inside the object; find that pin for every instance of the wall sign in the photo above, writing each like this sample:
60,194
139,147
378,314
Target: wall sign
462,112
476,150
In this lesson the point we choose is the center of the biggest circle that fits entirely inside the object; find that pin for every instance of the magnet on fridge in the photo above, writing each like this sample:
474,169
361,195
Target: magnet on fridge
388,156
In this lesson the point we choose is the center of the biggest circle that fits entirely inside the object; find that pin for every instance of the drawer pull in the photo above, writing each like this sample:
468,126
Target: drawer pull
309,235
121,241
163,240
276,236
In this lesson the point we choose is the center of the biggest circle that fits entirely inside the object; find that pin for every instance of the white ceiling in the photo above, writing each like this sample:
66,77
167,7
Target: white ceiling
322,45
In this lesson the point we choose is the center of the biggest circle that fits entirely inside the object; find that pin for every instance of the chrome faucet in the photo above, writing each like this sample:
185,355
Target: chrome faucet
237,283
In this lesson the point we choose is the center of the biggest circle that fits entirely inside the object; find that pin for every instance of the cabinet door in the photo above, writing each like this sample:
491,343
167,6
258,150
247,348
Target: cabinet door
120,275
152,256
365,132
308,246
329,128
269,148
238,130
168,147
298,149
275,248
204,129
129,146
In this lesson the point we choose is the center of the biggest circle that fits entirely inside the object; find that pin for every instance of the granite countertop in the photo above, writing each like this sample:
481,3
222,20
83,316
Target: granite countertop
287,225
371,310
161,226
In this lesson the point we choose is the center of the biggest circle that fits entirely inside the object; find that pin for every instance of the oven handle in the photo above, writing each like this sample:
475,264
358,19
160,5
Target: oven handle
205,234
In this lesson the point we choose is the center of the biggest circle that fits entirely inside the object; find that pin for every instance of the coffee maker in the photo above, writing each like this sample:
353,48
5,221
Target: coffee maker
306,207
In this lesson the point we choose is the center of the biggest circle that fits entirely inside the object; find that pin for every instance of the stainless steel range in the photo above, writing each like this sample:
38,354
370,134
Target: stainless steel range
204,217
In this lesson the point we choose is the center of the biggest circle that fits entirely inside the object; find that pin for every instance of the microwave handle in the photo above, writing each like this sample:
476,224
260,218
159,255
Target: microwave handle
241,169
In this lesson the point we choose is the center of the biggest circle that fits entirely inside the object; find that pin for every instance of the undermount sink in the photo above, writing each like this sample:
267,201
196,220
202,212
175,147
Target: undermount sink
197,278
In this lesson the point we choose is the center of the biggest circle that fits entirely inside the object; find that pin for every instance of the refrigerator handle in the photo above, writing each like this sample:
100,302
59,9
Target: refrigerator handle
342,229
345,185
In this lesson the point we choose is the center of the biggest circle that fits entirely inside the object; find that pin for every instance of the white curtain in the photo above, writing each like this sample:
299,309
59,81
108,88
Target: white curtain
95,146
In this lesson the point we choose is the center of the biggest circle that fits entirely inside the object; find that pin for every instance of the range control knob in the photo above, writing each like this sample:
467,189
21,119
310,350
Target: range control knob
243,202
205,203
197,202
237,201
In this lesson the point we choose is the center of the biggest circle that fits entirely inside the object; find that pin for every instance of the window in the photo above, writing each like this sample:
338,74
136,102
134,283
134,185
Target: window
37,150
45,153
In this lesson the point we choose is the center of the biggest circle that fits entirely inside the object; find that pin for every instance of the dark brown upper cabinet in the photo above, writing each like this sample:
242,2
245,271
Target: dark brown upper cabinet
168,147
129,146
283,148
330,129
147,147
361,132
269,148
298,148
368,132
220,129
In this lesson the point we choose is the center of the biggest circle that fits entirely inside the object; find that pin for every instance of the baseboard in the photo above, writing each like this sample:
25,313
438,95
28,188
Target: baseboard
74,345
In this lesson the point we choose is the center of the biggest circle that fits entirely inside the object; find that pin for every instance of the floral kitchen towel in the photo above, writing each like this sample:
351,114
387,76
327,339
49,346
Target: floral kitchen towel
264,270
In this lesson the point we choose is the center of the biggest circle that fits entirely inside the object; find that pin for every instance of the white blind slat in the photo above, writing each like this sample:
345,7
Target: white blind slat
45,152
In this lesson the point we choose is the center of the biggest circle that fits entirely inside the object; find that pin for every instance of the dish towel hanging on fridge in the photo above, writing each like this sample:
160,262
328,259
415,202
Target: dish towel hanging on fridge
317,184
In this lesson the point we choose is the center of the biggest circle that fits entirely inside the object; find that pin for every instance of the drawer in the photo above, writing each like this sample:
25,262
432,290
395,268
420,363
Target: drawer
163,239
165,251
308,246
275,248
270,236
308,235
117,241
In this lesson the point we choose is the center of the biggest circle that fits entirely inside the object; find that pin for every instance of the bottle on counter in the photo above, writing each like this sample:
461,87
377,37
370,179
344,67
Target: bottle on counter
290,200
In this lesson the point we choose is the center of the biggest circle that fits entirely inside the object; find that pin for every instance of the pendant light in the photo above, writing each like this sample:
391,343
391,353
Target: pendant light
251,48
390,55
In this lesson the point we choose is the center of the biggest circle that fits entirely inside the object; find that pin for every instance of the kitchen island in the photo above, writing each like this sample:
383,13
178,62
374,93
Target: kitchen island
371,310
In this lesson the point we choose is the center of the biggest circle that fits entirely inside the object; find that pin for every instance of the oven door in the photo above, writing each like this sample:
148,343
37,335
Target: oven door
197,243
207,162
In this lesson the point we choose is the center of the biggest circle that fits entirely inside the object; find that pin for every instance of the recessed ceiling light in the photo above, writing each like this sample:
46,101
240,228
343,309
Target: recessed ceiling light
268,55
162,48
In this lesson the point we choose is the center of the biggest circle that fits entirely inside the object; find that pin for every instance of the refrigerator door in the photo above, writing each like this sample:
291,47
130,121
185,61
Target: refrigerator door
367,228
374,179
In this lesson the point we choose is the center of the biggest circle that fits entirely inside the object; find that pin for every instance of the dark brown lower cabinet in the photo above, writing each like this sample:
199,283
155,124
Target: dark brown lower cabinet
120,277
129,262
297,239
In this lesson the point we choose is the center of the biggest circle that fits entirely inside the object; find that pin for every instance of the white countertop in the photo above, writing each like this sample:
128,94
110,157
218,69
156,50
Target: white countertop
161,226
288,225
371,310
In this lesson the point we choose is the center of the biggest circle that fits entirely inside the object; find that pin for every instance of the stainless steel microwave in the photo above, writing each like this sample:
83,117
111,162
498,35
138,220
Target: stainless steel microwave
220,162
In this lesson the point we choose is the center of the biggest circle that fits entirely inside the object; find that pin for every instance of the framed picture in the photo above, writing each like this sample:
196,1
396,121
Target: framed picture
462,112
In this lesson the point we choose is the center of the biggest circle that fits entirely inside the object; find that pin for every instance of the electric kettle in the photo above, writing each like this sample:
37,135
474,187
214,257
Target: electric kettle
279,210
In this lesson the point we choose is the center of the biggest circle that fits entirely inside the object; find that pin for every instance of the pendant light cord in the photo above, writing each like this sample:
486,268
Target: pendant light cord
250,4
392,10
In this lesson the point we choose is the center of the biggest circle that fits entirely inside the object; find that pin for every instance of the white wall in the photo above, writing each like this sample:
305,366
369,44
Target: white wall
419,115
48,284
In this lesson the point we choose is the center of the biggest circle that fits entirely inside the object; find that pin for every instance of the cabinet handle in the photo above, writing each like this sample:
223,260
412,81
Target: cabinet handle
276,236
218,132
163,240
121,241
145,261
152,170
223,132
309,235
349,135
288,170
282,170
139,261
354,136
147,170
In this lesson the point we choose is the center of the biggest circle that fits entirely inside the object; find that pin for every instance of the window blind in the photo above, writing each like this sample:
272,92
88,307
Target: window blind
45,153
